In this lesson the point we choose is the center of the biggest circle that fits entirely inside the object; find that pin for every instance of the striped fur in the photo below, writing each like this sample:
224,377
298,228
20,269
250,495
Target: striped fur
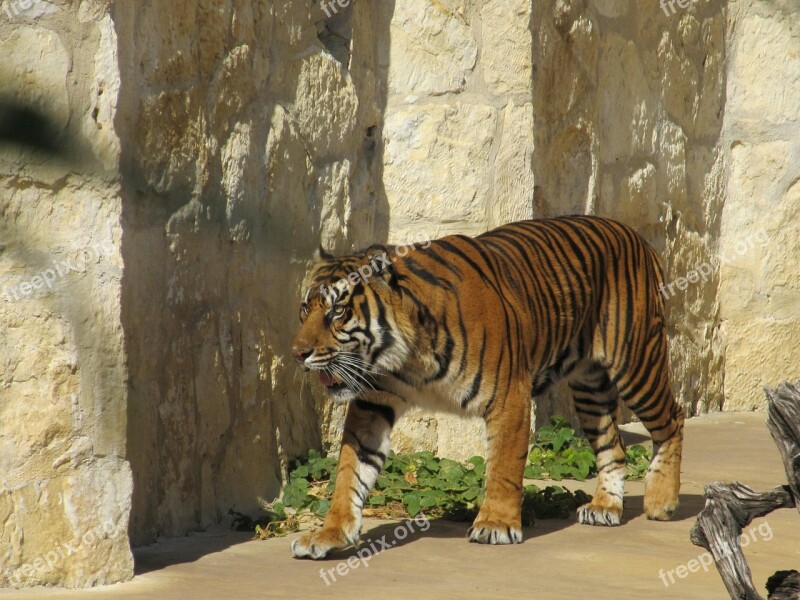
475,326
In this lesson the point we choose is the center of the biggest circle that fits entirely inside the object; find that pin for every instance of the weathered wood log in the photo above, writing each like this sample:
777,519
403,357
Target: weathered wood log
731,507
784,425
784,585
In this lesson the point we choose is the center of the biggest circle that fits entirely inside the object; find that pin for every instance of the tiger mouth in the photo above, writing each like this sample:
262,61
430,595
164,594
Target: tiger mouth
331,382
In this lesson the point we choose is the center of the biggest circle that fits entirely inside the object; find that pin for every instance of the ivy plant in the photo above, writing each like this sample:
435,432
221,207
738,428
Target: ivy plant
441,487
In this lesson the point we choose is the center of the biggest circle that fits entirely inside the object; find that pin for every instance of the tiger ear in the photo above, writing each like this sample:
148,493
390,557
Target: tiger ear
321,254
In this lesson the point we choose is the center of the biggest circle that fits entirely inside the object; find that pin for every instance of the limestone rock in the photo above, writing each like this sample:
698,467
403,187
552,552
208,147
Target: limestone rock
433,48
435,162
506,51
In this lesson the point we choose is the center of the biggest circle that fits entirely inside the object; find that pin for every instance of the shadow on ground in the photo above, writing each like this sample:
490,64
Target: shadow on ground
189,549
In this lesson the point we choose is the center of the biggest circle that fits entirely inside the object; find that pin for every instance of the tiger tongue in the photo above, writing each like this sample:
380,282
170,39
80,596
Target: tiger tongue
328,380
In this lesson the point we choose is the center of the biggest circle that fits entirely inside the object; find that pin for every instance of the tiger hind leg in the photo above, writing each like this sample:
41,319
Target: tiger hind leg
647,393
663,480
596,403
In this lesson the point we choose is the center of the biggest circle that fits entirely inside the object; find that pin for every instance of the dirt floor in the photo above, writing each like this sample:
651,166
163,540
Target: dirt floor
559,559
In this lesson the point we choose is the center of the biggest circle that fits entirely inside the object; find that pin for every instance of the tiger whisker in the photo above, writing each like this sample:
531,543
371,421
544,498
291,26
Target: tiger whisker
354,376
346,376
355,373
357,361
355,365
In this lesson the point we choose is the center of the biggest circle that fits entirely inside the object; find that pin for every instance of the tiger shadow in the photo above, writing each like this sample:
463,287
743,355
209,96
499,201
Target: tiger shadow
633,512
388,536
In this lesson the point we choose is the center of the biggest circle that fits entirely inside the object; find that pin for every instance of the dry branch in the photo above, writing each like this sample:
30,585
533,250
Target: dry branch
784,425
731,507
784,585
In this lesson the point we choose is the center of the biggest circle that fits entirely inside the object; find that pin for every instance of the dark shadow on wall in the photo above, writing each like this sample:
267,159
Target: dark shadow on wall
226,194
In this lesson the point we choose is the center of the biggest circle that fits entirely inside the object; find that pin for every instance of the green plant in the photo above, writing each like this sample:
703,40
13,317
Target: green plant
558,454
638,459
412,483
408,484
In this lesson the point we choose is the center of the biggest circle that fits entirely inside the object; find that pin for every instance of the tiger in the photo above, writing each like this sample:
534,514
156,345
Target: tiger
477,326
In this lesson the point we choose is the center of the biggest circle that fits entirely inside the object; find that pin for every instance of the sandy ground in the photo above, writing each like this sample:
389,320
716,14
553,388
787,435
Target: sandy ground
559,559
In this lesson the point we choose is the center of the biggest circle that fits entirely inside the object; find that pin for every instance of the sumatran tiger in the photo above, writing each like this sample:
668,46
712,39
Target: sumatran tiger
476,326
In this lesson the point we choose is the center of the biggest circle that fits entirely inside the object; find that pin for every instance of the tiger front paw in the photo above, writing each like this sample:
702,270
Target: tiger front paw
495,532
317,544
595,513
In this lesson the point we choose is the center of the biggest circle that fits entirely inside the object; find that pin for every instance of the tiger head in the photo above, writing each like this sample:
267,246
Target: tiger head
351,324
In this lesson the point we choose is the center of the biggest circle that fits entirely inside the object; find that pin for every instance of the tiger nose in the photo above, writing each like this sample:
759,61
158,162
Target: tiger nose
301,354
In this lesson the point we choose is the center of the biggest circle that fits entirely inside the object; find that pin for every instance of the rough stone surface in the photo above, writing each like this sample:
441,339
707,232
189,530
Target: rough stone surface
459,145
247,144
759,291
616,122
433,49
458,140
651,119
223,146
64,480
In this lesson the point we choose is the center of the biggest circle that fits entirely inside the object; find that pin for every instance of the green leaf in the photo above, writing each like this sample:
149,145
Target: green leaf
561,438
320,507
301,472
533,471
432,465
279,510
294,494
394,494
412,504
470,494
478,465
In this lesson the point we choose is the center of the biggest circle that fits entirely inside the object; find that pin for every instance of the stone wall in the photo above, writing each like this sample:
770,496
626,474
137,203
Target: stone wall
224,145
759,293
628,115
65,484
612,108
645,115
249,137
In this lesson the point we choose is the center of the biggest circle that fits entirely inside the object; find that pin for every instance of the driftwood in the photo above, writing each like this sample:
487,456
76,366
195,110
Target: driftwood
784,425
731,507
784,585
